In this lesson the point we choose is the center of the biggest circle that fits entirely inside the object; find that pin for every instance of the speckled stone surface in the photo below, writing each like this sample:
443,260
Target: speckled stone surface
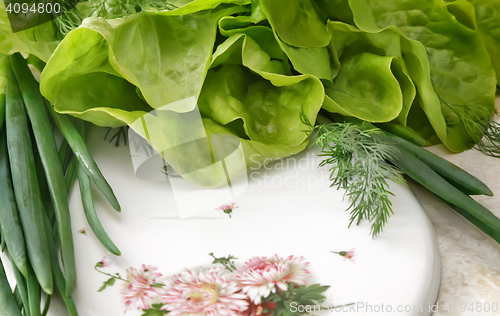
470,259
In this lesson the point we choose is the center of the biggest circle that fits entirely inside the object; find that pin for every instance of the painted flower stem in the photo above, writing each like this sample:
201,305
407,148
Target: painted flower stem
226,262
108,274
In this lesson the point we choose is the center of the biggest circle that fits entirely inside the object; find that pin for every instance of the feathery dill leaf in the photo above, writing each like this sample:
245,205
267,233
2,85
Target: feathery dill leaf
108,9
358,164
490,143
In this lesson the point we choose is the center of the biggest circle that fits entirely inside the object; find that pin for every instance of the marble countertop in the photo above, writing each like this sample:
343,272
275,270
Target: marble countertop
470,258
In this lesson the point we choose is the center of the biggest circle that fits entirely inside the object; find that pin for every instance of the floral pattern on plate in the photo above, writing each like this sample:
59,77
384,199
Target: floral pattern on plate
265,286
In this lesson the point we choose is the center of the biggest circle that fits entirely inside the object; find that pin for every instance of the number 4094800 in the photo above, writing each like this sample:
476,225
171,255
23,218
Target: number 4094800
473,307
33,8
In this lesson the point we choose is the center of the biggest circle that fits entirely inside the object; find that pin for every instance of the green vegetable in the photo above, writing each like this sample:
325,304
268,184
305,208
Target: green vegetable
40,41
490,144
461,73
88,206
490,231
47,148
409,66
42,182
8,305
454,175
90,213
296,22
92,69
65,154
357,160
26,189
367,85
22,288
83,155
10,223
2,110
403,132
256,78
33,293
46,307
58,275
3,245
17,296
487,23
71,174
4,68
407,157
432,181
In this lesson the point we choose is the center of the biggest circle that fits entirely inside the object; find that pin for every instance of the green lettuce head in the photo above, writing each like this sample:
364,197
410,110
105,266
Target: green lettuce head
154,71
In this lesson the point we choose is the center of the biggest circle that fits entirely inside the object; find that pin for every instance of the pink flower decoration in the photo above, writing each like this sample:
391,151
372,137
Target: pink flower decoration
346,254
226,207
104,262
83,231
203,293
139,290
261,275
349,254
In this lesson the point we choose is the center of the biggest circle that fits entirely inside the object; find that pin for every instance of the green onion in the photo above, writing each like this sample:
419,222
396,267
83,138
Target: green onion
26,189
12,231
88,205
83,155
423,174
17,296
47,148
459,178
71,174
3,245
58,275
65,155
22,288
402,132
490,231
47,305
2,110
90,213
33,293
8,304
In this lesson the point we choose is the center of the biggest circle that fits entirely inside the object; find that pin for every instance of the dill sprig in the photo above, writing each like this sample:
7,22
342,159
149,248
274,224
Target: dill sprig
490,144
108,9
357,158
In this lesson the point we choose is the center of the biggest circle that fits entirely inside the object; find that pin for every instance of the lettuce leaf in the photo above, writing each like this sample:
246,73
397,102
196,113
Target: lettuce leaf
125,54
483,16
268,102
296,22
460,67
245,87
40,41
371,79
116,72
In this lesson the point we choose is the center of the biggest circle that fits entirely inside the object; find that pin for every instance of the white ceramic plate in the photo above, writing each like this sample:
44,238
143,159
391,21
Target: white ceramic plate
284,211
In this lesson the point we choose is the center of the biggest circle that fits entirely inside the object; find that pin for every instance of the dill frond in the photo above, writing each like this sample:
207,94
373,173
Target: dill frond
112,9
358,164
473,118
67,22
490,143
108,9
